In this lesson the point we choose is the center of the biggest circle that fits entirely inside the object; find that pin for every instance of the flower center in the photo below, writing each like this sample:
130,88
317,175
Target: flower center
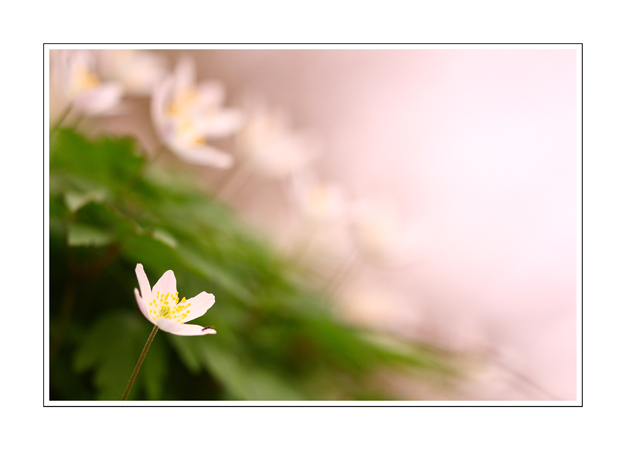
187,132
319,198
183,102
84,80
165,307
165,311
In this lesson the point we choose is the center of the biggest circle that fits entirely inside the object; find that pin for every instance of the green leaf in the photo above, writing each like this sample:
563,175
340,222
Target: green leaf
164,237
277,338
244,379
80,234
76,200
112,349
111,162
186,350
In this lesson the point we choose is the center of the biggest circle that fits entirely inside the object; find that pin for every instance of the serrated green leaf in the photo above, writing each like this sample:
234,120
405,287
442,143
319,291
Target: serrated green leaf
276,337
76,200
112,349
83,235
112,162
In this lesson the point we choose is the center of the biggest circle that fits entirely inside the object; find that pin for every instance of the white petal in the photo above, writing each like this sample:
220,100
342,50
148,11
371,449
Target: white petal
182,329
222,124
142,71
165,285
144,283
160,96
184,74
99,100
143,307
199,305
112,62
206,156
211,94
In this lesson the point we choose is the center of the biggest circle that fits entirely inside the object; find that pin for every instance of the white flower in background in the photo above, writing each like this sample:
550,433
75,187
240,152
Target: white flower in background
269,147
370,304
379,232
82,88
186,115
321,237
317,201
138,71
161,305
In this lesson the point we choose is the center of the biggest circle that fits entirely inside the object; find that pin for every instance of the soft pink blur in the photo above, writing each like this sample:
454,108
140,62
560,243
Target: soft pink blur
479,148
480,145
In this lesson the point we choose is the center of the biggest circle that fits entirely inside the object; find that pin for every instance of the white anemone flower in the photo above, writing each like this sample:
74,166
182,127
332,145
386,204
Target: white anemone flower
379,307
316,200
380,233
83,89
138,71
269,147
161,305
186,115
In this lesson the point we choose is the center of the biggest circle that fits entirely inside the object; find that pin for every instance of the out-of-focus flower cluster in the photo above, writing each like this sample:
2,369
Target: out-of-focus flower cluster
191,121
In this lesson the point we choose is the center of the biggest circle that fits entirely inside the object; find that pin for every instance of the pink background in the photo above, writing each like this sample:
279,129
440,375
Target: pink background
479,146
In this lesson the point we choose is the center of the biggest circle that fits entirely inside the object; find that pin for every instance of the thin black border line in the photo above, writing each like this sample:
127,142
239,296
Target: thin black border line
311,43
43,216
322,406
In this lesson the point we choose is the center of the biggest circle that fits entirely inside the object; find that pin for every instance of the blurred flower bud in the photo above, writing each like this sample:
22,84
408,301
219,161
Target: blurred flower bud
379,232
137,71
317,201
269,147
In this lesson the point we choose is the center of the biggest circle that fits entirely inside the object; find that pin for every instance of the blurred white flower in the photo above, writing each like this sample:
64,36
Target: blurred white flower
186,115
380,233
81,87
269,147
372,305
320,237
138,71
317,201
161,305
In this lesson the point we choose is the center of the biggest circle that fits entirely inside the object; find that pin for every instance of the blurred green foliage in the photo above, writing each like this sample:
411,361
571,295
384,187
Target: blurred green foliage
276,337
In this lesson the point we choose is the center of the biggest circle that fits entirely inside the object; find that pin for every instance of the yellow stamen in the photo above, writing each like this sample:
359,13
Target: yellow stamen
84,79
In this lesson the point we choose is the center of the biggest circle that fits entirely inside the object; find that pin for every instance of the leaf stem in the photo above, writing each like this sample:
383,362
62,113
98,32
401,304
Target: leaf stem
233,184
64,114
141,358
77,122
158,153
337,280
139,174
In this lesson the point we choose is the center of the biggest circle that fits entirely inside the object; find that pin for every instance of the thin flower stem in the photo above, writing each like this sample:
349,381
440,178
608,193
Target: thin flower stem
336,281
234,184
302,248
526,383
61,119
142,171
77,122
158,153
141,358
